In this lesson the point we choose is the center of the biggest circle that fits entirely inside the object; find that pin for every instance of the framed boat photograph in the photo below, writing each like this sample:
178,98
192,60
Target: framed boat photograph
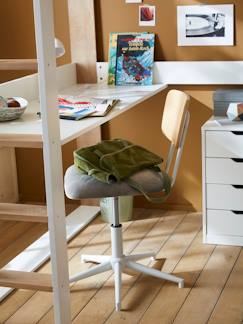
205,25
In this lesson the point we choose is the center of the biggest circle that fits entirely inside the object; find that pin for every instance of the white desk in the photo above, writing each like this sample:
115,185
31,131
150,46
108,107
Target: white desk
27,132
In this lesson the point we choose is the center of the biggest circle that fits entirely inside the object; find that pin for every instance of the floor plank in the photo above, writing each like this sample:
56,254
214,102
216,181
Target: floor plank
145,289
153,241
17,299
4,226
213,275
169,299
84,291
204,295
21,242
12,233
28,313
229,309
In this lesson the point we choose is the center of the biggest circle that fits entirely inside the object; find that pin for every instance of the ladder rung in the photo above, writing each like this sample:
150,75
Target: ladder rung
23,213
18,64
25,280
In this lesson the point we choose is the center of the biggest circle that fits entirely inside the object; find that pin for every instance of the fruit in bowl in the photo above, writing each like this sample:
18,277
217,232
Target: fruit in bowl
13,103
12,108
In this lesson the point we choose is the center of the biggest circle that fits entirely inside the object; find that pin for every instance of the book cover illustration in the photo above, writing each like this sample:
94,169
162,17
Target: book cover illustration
112,55
135,57
74,114
74,108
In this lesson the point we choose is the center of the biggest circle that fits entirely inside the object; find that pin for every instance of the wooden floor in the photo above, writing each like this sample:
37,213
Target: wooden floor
213,275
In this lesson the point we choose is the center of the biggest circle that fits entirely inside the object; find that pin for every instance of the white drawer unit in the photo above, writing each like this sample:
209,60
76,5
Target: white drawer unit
224,227
224,222
222,159
224,171
224,144
226,197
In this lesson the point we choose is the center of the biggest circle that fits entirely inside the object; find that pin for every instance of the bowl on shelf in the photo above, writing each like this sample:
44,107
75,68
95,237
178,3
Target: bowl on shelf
11,113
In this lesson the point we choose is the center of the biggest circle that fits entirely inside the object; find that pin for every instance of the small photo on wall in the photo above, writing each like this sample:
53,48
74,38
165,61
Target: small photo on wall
205,25
146,15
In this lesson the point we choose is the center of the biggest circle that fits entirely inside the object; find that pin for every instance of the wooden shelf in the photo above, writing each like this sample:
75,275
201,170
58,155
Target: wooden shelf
23,213
25,280
18,64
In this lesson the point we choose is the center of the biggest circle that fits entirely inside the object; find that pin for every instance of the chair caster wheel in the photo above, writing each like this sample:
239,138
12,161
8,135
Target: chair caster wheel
118,307
83,260
181,284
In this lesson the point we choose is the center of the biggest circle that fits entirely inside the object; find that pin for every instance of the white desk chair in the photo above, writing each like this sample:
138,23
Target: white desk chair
174,126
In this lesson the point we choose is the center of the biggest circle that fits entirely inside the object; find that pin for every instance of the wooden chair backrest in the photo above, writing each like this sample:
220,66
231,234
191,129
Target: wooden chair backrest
176,106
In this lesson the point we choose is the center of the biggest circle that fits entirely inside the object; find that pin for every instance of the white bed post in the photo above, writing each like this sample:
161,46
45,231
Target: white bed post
44,30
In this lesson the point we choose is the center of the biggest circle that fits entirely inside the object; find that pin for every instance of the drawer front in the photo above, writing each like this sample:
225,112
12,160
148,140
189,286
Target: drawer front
224,197
224,171
224,222
224,144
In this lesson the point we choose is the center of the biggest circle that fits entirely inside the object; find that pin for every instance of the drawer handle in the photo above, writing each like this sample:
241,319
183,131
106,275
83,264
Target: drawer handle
237,160
238,186
238,212
237,132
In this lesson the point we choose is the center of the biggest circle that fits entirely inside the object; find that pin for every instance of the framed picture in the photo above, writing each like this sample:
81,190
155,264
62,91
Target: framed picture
146,15
205,25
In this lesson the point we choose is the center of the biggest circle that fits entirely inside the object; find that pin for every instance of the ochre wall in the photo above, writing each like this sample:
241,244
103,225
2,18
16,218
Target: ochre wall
142,124
117,16
18,41
18,35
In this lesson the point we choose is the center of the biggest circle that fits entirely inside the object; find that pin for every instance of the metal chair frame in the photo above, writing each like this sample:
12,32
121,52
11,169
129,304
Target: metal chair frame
117,260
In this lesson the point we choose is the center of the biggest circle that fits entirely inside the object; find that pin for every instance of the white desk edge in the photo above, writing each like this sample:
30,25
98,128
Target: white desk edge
29,128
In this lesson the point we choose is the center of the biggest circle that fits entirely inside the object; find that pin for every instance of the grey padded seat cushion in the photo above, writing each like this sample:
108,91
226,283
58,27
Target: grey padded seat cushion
78,185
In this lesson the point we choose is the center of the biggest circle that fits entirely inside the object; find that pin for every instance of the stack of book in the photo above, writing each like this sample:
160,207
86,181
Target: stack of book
131,57
75,107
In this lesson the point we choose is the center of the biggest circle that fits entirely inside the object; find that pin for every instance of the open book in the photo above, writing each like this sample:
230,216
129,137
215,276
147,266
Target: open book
75,107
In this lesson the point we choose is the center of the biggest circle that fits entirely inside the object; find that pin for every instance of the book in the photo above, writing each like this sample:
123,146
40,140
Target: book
76,107
112,56
74,114
135,57
103,109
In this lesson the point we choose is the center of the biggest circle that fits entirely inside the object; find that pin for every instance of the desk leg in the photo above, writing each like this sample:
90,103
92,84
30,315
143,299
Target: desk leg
8,176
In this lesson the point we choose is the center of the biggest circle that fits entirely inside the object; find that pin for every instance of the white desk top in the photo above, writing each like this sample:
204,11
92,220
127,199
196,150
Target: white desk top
27,131
222,124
